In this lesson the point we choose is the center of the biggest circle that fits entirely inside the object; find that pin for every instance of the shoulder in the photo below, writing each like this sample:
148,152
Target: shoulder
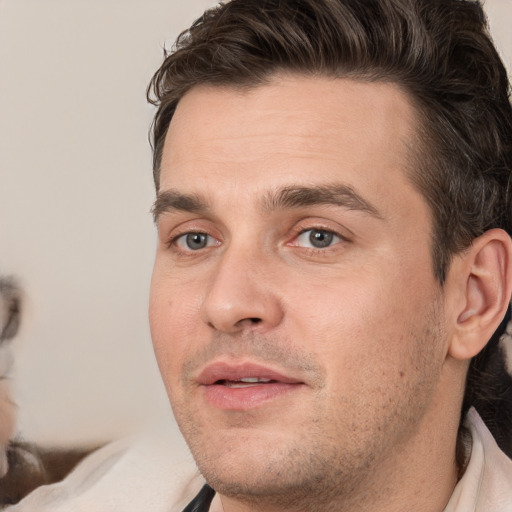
150,471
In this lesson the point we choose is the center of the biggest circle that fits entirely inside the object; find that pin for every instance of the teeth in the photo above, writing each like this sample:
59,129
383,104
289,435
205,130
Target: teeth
245,382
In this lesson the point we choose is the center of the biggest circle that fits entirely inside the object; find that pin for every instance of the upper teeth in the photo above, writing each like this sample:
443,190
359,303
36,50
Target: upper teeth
253,380
245,382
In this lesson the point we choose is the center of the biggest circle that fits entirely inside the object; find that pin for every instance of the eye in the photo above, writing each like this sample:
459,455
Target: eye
194,241
318,238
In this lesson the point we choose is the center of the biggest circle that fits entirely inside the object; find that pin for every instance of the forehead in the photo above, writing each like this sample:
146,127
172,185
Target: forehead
294,130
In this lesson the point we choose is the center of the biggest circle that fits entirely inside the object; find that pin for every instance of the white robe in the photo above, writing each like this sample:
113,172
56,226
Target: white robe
155,471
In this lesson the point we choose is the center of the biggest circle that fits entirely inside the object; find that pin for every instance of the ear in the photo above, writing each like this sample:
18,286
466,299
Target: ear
485,273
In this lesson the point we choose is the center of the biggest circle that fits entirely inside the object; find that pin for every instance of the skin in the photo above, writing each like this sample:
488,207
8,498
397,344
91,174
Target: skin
362,323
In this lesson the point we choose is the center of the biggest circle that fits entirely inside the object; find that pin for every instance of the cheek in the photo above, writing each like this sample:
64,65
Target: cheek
360,326
172,320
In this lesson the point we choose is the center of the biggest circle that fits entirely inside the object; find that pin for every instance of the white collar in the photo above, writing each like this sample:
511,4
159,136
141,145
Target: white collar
487,482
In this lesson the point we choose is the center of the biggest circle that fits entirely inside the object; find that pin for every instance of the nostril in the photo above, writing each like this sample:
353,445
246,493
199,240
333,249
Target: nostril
250,320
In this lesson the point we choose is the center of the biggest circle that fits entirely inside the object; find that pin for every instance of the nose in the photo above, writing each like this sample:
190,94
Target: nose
242,294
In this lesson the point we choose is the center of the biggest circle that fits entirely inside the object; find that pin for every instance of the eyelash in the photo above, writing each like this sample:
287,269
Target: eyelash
336,238
175,241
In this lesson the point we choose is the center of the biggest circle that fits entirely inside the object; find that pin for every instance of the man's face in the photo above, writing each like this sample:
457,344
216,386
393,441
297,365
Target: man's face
294,312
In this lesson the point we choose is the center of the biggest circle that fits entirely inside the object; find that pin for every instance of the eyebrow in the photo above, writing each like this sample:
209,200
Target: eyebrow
285,198
341,195
172,200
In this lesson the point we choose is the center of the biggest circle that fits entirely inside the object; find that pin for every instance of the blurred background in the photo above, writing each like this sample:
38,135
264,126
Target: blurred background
75,194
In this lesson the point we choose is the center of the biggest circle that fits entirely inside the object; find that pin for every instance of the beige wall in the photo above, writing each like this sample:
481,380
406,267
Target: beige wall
75,192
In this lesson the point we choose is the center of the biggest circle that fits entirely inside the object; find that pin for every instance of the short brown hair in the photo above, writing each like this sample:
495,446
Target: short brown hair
438,51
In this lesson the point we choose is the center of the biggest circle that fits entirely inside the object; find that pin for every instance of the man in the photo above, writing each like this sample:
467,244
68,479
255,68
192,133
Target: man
333,211
332,183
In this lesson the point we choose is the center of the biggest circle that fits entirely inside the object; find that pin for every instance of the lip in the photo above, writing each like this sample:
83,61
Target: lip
227,371
223,397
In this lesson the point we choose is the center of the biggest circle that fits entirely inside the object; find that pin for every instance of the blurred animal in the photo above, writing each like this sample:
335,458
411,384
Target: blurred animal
23,465
10,314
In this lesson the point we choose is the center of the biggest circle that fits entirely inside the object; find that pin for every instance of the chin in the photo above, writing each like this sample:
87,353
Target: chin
253,465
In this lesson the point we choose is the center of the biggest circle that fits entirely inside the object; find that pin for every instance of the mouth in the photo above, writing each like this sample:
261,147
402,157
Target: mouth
244,382
244,386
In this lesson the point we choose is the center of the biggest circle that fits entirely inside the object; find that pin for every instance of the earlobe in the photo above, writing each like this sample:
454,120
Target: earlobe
487,276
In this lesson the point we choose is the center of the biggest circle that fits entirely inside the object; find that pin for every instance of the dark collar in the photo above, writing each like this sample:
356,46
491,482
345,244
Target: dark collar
201,503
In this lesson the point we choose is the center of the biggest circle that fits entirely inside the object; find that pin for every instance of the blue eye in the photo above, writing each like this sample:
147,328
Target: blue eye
193,241
317,238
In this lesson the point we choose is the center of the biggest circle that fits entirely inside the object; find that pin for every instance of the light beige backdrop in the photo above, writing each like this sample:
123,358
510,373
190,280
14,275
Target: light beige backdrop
75,195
